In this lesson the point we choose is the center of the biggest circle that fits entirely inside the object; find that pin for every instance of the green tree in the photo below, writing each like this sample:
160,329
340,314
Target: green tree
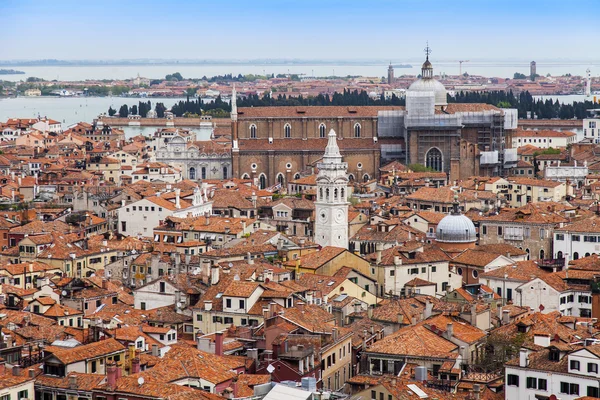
160,110
174,77
519,75
111,111
124,111
420,168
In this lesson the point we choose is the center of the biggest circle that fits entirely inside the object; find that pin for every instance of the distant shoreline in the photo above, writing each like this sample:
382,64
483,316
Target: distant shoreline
11,72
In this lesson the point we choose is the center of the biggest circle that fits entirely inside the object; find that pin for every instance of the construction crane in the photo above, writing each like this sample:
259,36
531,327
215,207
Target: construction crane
460,66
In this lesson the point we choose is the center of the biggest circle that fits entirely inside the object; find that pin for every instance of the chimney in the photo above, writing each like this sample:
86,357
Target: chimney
590,327
214,274
111,376
135,365
378,250
155,350
413,321
505,317
177,202
476,391
474,314
280,243
428,310
300,306
73,382
219,343
207,219
523,358
449,330
16,370
272,306
334,334
254,199
31,372
207,305
364,340
400,318
370,312
397,260
249,258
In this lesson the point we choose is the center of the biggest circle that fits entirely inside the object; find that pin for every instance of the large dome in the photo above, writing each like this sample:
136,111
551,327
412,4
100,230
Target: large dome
431,85
455,228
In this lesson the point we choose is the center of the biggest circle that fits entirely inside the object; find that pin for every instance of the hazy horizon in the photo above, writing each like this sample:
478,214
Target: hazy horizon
334,30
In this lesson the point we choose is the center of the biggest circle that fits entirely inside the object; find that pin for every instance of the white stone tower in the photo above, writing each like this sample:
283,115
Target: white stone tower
588,83
331,225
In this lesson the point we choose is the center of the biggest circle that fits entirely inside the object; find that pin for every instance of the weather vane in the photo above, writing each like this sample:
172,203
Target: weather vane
427,50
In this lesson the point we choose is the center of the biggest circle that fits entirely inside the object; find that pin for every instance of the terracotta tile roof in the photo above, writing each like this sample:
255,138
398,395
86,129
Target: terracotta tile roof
522,271
461,330
312,112
317,259
453,108
532,213
320,283
415,341
543,133
9,380
59,311
85,352
418,282
85,382
445,195
476,258
410,253
241,289
588,225
398,234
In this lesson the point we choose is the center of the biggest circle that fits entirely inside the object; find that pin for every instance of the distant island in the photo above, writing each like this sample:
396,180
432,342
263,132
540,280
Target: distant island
10,72
402,66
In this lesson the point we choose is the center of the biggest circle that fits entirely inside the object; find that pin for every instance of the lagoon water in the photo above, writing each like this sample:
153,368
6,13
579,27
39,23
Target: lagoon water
501,69
70,110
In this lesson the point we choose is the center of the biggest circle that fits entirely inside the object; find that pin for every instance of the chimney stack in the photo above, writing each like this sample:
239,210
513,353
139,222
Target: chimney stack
249,258
219,343
450,330
428,309
523,358
300,306
73,382
111,376
505,317
177,202
214,274
155,350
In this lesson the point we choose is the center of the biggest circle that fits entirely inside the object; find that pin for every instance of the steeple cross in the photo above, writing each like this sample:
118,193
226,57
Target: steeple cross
427,50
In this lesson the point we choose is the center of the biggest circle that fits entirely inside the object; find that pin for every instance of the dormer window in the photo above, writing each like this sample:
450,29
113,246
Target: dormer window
522,328
554,355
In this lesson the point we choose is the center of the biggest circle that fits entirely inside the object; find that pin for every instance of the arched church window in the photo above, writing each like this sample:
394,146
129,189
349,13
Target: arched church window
335,194
357,130
342,195
225,172
203,171
366,178
192,173
262,181
327,194
434,159
253,131
351,178
245,176
297,176
322,129
320,193
280,180
287,131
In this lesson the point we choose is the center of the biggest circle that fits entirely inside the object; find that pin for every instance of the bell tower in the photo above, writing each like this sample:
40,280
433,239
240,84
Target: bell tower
331,225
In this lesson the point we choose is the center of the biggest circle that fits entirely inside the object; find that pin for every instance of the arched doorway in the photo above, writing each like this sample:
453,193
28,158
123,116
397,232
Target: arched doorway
576,256
528,254
542,254
434,159
192,173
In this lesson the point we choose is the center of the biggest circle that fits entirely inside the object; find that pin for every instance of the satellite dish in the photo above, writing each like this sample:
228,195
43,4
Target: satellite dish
230,265
64,293
270,368
140,381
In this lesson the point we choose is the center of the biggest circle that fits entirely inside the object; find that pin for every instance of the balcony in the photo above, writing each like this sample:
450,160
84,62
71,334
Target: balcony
512,237
555,263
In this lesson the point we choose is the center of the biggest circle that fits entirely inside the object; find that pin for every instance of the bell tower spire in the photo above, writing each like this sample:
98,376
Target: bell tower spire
427,68
331,225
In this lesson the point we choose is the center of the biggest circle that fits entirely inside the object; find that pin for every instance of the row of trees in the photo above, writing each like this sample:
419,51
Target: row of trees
142,108
525,103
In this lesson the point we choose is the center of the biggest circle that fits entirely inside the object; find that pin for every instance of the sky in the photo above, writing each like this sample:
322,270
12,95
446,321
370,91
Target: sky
307,29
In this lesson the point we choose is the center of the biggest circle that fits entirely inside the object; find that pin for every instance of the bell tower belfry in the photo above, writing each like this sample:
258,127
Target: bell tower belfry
331,225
